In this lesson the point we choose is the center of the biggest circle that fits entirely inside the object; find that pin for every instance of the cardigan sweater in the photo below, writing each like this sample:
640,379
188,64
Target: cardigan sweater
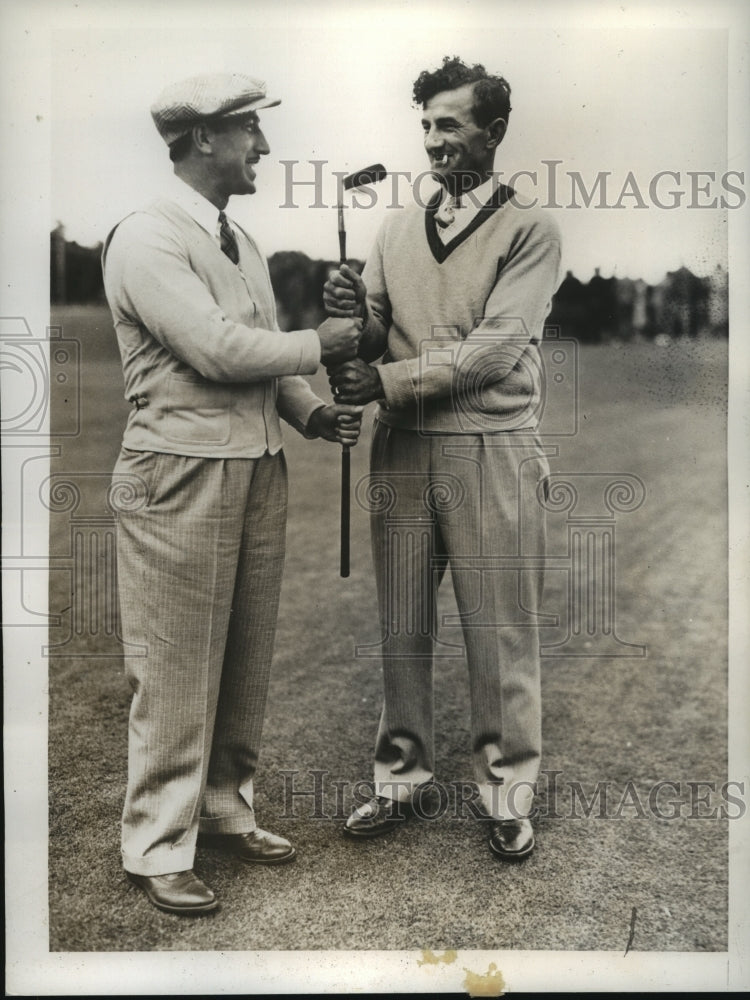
458,324
203,358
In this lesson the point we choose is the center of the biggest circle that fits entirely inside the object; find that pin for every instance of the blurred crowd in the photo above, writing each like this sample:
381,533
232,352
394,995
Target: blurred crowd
601,309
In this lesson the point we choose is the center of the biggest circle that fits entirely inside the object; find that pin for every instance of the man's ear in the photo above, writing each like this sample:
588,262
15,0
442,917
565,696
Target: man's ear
496,132
202,136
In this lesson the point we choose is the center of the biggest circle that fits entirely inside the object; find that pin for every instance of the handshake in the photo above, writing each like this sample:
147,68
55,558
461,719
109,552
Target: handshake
343,297
352,379
339,340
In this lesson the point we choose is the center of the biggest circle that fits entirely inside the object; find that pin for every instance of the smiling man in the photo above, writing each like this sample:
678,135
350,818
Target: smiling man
200,554
454,298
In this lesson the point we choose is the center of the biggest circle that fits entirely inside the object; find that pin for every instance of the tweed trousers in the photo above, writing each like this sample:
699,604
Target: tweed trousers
462,500
199,576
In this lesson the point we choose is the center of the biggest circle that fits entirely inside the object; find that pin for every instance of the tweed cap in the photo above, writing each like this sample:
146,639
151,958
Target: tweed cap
211,95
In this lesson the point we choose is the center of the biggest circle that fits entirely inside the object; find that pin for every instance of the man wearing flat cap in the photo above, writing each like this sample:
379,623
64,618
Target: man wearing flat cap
200,555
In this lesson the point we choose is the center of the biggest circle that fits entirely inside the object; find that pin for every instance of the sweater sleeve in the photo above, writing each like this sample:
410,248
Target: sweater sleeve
377,319
149,281
513,315
296,402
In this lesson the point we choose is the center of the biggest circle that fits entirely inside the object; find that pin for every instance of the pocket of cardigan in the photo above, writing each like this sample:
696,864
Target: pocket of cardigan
197,410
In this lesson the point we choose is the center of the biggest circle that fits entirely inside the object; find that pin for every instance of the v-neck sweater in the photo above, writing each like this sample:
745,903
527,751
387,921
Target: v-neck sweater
458,325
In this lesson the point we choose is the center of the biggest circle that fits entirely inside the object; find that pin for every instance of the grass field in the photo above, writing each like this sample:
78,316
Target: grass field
654,412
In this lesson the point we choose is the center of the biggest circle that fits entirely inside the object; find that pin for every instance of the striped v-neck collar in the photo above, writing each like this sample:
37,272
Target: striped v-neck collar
441,251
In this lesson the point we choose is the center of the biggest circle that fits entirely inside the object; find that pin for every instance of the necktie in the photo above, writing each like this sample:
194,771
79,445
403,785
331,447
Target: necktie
228,241
446,214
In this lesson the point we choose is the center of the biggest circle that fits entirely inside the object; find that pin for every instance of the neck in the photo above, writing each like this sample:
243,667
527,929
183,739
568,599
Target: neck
458,184
200,181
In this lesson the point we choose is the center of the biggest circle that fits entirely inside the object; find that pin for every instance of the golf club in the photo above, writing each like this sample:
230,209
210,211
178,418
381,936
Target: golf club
368,175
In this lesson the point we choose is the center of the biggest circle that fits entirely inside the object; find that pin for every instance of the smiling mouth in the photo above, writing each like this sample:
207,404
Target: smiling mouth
440,161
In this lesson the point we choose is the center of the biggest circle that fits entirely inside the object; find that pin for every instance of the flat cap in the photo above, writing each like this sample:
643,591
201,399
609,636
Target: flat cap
211,95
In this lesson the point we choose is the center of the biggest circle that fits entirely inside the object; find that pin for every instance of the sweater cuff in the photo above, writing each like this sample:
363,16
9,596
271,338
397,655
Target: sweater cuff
398,387
305,423
309,352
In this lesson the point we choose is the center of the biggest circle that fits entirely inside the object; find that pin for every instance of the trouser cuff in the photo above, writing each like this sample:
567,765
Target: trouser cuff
244,823
399,791
163,862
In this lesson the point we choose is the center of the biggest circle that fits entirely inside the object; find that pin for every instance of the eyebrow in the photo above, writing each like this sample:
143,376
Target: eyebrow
447,120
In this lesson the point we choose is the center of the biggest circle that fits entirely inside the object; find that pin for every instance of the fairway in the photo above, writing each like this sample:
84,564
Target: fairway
646,869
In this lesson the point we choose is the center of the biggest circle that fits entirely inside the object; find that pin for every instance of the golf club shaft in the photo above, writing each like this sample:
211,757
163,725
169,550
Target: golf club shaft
345,454
342,236
345,509
370,175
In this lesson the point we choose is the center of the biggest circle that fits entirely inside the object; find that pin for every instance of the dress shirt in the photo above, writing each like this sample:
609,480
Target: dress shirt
197,207
469,205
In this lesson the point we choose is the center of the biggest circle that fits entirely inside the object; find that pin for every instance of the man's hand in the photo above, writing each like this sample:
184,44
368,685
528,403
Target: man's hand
344,293
339,339
356,382
337,423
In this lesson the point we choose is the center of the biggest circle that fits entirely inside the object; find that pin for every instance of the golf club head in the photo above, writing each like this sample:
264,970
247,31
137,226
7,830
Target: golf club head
368,175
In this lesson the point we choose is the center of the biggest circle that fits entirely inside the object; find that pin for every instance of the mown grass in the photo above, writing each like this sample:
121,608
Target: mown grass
655,412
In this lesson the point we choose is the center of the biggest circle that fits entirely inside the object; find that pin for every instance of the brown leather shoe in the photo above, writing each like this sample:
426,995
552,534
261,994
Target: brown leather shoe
511,839
257,847
178,892
376,816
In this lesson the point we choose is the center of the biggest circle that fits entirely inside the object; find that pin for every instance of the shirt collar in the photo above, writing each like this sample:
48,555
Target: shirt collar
470,207
197,207
478,196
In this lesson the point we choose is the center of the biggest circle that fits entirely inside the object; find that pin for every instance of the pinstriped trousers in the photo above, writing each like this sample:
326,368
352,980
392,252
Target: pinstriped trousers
461,500
199,576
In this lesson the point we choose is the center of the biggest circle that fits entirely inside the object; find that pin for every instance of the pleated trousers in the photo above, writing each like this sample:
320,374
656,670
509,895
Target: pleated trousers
469,501
199,577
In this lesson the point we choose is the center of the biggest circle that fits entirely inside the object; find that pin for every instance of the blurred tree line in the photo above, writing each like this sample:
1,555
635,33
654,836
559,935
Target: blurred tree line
602,309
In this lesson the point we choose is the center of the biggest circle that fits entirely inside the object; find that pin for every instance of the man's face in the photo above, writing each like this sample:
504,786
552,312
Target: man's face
456,145
237,145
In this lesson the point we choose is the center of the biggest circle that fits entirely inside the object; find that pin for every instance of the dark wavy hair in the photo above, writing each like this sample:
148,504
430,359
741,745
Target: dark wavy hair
491,93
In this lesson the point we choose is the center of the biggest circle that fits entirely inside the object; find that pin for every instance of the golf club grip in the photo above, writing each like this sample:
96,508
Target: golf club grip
345,508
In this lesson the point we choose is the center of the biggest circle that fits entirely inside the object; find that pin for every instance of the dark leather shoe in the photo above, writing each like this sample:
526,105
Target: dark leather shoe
378,815
511,839
178,892
258,847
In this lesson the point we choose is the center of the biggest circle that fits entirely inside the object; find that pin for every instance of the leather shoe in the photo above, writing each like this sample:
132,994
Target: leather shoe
376,816
511,839
177,892
257,847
